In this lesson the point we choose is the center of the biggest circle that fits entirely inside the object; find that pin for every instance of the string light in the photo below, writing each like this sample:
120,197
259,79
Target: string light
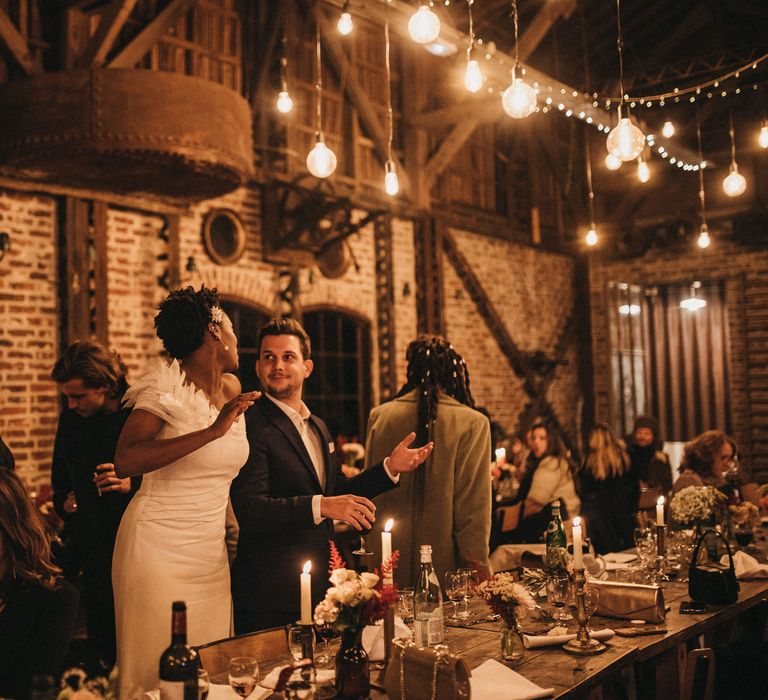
668,130
284,102
391,184
321,160
643,171
625,141
424,25
591,239
519,99
345,24
612,162
703,240
734,183
473,78
762,138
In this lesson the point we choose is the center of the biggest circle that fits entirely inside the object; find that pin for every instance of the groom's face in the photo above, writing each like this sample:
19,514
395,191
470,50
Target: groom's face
281,368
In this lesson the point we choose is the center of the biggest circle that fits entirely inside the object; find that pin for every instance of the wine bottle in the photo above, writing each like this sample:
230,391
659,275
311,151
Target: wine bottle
427,603
179,662
556,529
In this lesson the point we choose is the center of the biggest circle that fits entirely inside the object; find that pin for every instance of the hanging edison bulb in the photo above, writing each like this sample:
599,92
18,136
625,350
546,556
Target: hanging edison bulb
668,129
591,238
284,102
321,160
734,184
391,184
612,162
625,141
519,99
424,25
473,78
703,240
345,24
643,171
762,138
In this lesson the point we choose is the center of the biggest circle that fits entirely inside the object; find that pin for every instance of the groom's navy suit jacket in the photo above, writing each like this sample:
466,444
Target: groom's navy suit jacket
272,499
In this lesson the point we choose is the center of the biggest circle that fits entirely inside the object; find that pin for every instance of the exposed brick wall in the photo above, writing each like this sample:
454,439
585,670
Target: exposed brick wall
745,270
29,317
404,273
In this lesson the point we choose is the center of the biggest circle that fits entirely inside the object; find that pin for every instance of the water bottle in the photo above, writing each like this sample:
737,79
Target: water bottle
428,603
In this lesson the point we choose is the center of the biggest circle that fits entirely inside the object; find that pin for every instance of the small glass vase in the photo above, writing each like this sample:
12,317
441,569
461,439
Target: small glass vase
353,673
512,647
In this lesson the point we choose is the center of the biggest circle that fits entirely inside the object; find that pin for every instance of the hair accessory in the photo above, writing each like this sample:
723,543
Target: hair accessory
217,314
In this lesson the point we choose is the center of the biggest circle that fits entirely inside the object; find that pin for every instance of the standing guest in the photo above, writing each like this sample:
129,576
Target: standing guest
184,436
37,609
649,461
706,459
292,487
448,503
609,492
87,493
548,477
6,456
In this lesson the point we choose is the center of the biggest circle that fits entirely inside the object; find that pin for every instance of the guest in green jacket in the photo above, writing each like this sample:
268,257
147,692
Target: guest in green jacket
447,503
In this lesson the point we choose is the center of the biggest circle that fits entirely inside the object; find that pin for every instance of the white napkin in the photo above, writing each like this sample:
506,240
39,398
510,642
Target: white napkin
218,692
532,641
746,566
324,675
373,638
494,681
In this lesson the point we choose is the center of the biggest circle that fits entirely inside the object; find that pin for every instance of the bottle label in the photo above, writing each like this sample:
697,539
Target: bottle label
429,631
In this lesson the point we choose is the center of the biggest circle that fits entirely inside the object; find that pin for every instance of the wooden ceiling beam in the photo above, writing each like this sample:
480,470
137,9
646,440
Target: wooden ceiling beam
489,109
113,18
538,28
17,46
450,146
357,94
150,35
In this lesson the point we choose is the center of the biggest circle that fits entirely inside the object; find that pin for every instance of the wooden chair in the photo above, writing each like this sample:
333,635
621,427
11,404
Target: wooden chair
699,681
646,506
266,644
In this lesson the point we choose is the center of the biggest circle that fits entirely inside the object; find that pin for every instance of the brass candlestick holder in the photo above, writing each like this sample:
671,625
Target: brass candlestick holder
583,644
307,641
661,540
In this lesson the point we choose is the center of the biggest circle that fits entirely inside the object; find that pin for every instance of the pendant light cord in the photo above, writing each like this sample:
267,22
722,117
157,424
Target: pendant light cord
390,117
318,77
702,196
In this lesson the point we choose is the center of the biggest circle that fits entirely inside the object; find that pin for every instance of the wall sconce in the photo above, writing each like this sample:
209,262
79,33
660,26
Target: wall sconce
5,244
406,290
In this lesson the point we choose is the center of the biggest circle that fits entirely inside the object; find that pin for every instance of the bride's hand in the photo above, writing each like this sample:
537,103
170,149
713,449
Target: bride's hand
231,410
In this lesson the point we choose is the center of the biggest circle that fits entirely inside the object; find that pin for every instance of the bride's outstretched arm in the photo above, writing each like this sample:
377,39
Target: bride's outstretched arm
139,451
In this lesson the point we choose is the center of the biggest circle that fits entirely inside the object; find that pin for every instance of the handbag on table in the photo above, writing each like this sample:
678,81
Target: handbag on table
425,673
712,582
630,601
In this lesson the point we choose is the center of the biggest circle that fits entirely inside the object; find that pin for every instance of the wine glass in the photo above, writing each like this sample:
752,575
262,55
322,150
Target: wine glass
362,550
295,635
591,598
203,683
558,590
324,632
243,675
645,542
455,587
469,590
405,604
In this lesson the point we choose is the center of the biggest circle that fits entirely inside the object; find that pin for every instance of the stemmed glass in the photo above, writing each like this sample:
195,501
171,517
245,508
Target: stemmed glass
591,597
558,590
405,605
469,590
362,550
295,642
243,675
645,542
324,632
455,588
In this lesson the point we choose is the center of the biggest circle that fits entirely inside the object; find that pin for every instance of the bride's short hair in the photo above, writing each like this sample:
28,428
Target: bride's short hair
183,319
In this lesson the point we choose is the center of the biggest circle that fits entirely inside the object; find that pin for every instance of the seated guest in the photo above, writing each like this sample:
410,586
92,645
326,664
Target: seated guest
6,456
37,610
649,461
609,491
548,477
706,459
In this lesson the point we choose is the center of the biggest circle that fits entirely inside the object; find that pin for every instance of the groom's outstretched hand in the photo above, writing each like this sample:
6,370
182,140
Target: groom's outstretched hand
405,459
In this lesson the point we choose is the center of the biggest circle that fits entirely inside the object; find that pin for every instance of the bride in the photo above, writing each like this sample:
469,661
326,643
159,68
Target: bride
185,437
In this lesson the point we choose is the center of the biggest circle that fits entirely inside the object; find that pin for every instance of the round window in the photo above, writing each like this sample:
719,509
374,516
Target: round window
223,236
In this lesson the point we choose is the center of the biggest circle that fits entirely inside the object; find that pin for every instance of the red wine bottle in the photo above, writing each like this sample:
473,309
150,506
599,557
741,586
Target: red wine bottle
179,662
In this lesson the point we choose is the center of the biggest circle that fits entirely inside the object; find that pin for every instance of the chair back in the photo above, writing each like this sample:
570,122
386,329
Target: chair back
646,506
508,517
699,682
266,644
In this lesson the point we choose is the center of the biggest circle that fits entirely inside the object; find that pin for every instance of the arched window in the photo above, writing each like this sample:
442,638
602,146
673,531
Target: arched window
339,388
247,322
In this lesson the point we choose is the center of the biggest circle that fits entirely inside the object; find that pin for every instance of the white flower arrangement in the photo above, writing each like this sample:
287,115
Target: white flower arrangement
505,595
695,504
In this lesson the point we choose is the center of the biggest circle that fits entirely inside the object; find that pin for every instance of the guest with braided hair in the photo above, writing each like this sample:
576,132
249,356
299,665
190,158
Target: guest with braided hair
448,502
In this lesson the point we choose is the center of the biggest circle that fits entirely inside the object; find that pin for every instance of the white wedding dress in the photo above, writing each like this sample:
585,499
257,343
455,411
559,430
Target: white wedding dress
170,545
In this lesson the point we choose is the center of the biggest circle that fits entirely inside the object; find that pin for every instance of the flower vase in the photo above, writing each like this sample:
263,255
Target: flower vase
512,648
353,674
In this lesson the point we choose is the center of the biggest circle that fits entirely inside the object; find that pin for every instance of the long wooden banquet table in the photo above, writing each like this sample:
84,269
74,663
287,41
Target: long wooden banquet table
659,659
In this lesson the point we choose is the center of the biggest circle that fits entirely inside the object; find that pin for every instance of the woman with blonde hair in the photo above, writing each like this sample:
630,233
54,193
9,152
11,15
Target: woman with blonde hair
37,609
610,489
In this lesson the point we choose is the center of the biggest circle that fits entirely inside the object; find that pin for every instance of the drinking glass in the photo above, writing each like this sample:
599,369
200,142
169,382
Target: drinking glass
558,590
469,590
405,605
591,597
362,550
645,542
243,675
324,632
294,642
455,588
203,684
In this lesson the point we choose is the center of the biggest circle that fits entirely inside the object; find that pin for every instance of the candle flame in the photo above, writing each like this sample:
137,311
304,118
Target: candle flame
660,502
388,525
307,567
577,521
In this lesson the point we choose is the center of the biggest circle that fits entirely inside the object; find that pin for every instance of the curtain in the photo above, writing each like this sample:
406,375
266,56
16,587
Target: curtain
687,361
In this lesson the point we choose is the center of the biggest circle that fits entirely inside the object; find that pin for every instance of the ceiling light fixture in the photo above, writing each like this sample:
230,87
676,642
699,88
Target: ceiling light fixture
734,184
321,160
345,24
703,240
643,171
473,77
284,102
391,184
693,302
519,99
424,25
612,162
668,129
762,138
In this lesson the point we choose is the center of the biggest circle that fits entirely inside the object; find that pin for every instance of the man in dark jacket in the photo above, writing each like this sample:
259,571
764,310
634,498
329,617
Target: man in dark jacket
648,460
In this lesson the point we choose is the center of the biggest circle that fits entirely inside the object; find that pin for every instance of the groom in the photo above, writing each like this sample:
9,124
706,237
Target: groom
292,488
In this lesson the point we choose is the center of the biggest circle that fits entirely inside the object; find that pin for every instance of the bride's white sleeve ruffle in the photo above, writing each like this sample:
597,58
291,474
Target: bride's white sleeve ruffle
162,392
